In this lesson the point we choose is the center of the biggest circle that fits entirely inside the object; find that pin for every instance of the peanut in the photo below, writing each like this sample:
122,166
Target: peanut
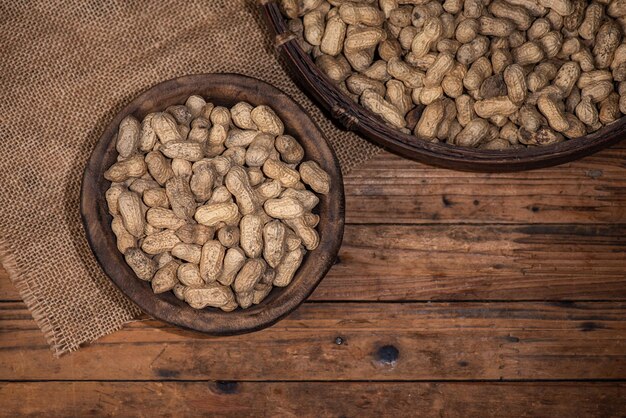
290,150
609,109
494,106
314,24
211,260
427,37
160,242
240,138
576,127
217,177
357,14
195,233
555,116
238,185
607,40
189,275
464,109
111,196
187,252
288,267
532,6
315,177
375,103
234,260
477,73
195,105
181,114
274,235
228,236
249,275
308,235
473,133
165,278
147,136
334,36
516,84
267,121
506,10
567,76
125,239
213,214
181,168
491,26
165,128
143,266
277,170
543,136
591,22
121,171
284,208
158,167
336,68
598,91
470,52
528,53
129,205
212,294
251,235
267,190
185,150
220,116
128,136
180,197
202,179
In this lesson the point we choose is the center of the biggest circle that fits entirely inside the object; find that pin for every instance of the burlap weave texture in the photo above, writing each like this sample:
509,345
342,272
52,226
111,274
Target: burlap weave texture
67,67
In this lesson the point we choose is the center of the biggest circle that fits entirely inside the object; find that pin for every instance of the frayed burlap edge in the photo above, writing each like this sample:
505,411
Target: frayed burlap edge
37,308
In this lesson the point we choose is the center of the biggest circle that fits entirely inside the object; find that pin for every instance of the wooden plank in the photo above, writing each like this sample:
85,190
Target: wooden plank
390,189
469,262
311,399
360,341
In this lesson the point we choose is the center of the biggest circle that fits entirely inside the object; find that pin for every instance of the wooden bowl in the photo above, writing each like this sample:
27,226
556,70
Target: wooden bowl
225,90
356,118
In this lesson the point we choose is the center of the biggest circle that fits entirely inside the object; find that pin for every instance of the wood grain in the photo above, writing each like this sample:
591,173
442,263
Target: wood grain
311,399
474,262
361,341
390,189
471,262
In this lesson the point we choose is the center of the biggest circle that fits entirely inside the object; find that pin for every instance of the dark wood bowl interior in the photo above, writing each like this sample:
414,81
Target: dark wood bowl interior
225,90
352,116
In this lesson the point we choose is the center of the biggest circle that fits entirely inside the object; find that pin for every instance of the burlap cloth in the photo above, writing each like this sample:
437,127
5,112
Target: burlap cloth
66,68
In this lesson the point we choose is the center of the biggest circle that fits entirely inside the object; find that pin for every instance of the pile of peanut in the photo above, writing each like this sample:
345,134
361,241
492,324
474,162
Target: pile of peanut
211,203
490,74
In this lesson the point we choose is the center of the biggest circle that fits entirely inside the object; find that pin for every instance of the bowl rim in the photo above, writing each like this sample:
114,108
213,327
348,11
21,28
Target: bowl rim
355,117
165,306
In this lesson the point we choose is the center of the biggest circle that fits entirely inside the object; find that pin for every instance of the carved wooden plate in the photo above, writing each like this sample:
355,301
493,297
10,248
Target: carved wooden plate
224,90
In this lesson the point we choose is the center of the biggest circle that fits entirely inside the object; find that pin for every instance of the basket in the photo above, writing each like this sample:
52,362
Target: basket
353,117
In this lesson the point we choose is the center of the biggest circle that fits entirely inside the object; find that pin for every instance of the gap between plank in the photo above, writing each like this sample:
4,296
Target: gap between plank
505,381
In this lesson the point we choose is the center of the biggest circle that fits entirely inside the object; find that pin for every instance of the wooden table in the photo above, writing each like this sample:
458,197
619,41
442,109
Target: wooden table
455,294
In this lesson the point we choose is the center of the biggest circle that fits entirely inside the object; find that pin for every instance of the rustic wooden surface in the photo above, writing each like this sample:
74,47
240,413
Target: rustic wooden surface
455,294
